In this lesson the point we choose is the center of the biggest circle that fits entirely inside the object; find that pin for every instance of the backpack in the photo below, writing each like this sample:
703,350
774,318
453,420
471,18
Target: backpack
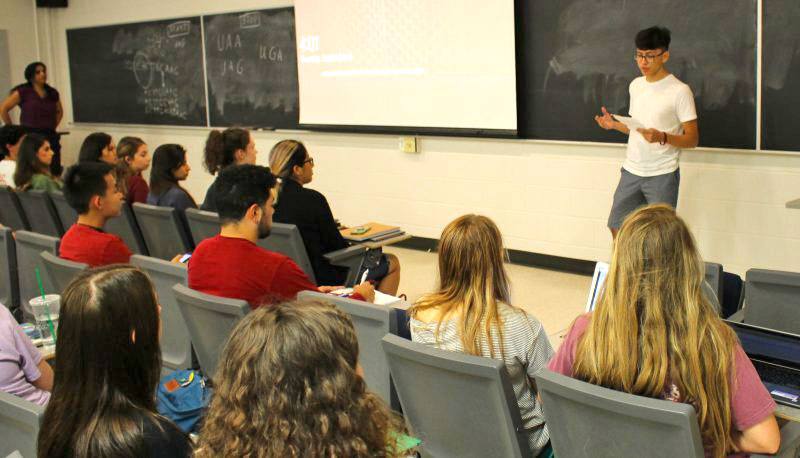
183,396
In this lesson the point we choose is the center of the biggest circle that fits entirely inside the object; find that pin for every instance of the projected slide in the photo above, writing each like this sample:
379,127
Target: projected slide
409,63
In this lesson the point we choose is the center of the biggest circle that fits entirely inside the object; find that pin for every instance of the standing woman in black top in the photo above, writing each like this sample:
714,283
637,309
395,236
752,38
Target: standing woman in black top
309,211
40,109
108,364
232,146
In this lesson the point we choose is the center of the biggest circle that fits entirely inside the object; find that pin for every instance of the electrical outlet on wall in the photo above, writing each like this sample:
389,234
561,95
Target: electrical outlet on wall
408,144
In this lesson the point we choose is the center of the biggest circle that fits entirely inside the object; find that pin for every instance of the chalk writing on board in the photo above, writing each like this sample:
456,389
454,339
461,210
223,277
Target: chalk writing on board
143,73
154,69
252,68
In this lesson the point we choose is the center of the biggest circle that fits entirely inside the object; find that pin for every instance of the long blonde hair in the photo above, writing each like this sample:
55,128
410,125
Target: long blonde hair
472,280
653,327
282,159
287,386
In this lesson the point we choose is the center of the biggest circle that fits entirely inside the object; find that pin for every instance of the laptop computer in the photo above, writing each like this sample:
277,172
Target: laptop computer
598,280
776,357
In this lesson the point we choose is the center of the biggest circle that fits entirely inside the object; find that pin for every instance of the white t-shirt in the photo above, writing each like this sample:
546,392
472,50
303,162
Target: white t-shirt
7,168
663,105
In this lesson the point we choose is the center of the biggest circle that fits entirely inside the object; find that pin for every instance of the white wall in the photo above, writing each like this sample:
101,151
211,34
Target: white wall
547,197
17,18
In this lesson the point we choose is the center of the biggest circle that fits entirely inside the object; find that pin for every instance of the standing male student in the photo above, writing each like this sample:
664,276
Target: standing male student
91,189
665,107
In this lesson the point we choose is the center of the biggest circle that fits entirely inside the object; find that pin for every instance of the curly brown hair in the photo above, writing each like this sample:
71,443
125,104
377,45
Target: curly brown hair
287,386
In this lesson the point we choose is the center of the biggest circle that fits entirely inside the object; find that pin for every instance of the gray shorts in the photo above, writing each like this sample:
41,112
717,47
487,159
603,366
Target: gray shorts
634,191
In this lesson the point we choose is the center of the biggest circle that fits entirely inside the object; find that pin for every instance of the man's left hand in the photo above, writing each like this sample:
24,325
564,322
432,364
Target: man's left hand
651,135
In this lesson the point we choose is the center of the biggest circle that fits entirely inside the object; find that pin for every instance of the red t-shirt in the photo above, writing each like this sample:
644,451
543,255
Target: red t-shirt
137,190
750,400
92,246
240,269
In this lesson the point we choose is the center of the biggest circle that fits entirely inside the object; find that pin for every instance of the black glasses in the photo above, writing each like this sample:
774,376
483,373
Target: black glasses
649,58
309,160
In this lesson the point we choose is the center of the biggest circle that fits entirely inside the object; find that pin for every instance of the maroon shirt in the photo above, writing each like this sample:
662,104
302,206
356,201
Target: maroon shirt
92,246
137,189
38,112
750,401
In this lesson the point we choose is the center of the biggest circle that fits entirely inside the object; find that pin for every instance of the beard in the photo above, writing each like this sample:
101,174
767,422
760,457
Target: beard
264,227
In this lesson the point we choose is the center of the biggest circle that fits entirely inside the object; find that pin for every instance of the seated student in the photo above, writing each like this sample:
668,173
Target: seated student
10,139
98,147
232,146
309,211
654,333
170,168
23,372
231,264
108,363
91,189
33,165
471,312
134,159
289,384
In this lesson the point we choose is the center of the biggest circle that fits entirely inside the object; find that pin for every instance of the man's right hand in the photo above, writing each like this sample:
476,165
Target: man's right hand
606,121
366,290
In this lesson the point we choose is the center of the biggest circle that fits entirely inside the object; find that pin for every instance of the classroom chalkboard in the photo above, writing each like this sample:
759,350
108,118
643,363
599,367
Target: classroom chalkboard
575,56
142,73
251,65
780,78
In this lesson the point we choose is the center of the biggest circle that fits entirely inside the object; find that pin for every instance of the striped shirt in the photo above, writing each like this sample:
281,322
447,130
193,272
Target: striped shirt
527,351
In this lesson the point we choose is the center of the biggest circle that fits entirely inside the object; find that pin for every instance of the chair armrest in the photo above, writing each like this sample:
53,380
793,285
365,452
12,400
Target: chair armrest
737,317
351,257
790,442
339,256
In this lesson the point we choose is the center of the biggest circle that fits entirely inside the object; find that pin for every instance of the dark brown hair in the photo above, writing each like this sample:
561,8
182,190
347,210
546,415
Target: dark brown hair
221,147
28,163
105,379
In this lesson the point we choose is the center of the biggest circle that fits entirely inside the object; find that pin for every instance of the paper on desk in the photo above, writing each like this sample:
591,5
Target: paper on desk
380,298
631,123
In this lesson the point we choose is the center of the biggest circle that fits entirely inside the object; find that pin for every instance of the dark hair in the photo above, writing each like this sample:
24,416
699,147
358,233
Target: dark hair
106,381
166,159
239,187
221,146
30,73
83,181
653,38
93,146
126,149
9,135
28,163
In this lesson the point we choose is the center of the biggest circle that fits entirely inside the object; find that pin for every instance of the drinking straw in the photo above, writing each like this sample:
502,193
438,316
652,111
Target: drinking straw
46,307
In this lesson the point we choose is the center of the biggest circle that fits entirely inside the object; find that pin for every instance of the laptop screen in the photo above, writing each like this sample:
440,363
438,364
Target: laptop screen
598,280
762,343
